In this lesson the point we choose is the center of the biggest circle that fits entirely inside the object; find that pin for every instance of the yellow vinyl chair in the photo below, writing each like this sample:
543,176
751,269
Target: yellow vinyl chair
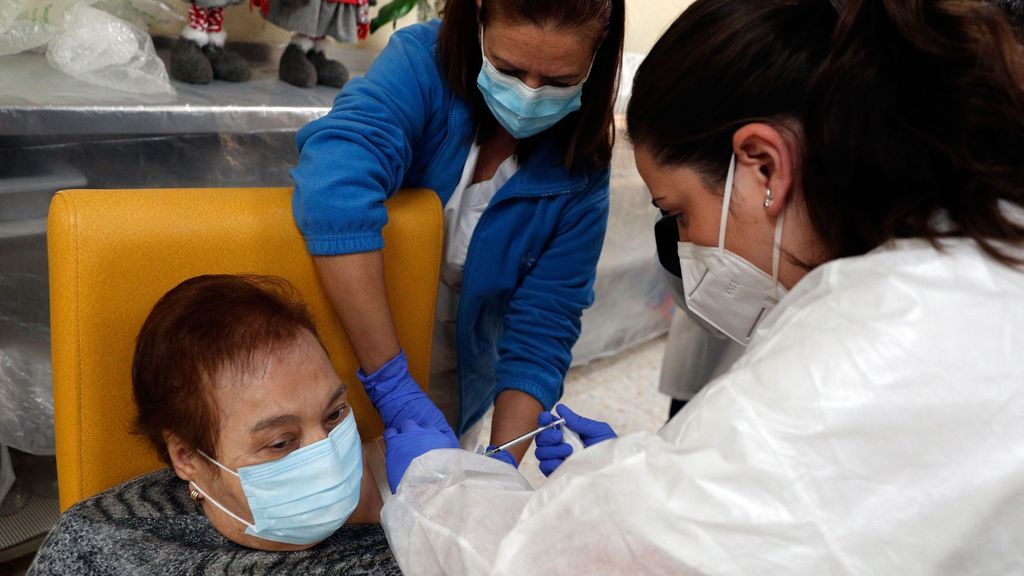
114,253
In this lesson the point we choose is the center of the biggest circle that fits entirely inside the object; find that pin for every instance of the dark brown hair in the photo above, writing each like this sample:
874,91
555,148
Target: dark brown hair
907,110
585,136
201,328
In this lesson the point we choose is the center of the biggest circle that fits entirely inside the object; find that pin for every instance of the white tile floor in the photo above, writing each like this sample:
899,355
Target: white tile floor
621,390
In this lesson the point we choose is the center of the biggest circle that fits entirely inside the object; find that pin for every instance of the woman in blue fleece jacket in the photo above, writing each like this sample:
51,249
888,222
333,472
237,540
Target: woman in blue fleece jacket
505,109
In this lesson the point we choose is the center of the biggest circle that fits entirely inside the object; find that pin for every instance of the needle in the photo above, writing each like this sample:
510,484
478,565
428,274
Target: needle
524,437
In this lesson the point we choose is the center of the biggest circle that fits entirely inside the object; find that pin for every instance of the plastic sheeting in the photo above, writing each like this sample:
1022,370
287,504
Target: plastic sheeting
6,472
57,133
86,43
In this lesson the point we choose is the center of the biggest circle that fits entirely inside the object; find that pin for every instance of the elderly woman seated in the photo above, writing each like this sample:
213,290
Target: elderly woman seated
237,395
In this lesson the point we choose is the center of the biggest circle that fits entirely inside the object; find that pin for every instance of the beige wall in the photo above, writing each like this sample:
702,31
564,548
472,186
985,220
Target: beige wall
645,22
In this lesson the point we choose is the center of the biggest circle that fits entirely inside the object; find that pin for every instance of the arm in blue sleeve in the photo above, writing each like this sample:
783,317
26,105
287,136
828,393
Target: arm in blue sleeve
543,321
356,156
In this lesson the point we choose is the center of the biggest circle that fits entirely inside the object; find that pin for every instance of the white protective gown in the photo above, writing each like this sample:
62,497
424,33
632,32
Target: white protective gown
874,426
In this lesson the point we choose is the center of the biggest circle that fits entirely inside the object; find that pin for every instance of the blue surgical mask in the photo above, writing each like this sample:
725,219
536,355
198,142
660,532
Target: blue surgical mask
522,110
306,496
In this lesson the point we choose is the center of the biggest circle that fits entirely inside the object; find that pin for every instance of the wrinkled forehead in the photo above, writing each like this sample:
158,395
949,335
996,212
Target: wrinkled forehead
539,50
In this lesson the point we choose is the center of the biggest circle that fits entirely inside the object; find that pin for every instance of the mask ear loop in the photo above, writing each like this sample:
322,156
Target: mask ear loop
777,240
214,502
777,251
221,506
222,467
725,203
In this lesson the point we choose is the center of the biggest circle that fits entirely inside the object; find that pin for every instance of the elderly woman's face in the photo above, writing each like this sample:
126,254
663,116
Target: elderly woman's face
291,399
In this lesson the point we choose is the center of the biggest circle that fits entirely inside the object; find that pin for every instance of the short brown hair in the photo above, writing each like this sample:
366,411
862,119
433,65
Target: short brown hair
582,138
197,330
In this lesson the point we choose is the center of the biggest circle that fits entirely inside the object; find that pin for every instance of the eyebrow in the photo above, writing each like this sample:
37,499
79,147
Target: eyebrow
292,418
342,388
500,62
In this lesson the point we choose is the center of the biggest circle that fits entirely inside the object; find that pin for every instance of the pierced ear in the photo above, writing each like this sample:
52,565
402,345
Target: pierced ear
767,150
183,457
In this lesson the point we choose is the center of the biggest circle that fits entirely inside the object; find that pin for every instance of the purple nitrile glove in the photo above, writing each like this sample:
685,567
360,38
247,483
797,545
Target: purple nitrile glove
406,443
398,397
551,450
590,431
503,455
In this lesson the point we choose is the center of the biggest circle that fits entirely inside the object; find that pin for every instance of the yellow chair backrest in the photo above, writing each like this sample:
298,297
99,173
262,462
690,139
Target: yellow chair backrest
114,253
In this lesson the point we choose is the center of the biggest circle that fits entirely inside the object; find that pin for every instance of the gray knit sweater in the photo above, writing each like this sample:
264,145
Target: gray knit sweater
149,525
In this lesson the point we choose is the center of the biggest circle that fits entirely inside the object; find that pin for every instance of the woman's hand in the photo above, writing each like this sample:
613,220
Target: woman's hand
552,449
406,443
398,397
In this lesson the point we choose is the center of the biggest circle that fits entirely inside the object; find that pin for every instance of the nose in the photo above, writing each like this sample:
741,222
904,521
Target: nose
533,81
314,435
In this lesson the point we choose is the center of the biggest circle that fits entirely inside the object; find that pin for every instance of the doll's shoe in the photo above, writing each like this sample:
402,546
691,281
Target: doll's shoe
189,63
295,68
328,72
227,66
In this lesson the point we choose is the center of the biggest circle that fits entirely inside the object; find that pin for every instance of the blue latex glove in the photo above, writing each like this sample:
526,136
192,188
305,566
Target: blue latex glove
551,447
504,456
398,397
407,442
591,431
551,450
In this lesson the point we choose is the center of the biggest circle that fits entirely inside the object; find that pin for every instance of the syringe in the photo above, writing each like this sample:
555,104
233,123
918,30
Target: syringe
523,438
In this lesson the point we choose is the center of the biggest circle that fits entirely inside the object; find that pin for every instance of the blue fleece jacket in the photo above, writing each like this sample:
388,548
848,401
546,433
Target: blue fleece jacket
529,273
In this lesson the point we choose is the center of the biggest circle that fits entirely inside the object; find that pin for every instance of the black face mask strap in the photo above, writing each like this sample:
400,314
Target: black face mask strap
666,238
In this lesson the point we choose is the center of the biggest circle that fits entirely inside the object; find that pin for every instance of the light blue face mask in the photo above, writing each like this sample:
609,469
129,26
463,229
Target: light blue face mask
306,496
522,110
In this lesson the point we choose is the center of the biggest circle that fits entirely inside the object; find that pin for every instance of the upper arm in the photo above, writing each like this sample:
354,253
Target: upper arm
357,155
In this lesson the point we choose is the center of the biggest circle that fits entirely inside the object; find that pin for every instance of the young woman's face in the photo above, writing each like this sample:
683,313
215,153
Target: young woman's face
539,56
293,399
683,192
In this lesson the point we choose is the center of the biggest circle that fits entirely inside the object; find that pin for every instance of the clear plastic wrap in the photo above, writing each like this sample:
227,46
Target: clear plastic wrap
29,24
84,42
6,472
141,13
102,49
26,398
631,304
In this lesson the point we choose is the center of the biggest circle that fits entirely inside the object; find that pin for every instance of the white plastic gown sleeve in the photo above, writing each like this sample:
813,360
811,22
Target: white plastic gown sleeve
874,426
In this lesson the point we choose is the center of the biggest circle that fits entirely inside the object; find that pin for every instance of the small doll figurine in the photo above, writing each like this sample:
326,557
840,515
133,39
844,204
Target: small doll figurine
199,54
303,62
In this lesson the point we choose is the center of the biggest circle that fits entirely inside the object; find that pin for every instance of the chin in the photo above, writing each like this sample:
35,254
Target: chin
242,539
271,546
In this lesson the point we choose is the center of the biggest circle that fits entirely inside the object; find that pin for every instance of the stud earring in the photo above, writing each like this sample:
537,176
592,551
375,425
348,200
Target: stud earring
768,199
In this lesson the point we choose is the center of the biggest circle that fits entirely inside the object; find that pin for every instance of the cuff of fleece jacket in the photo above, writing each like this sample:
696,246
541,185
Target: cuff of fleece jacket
392,370
544,392
335,244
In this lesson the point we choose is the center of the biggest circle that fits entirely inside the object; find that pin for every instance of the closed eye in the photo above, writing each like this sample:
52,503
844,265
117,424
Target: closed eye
281,444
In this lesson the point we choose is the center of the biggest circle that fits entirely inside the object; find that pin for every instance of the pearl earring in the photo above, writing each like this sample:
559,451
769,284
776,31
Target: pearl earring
768,199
